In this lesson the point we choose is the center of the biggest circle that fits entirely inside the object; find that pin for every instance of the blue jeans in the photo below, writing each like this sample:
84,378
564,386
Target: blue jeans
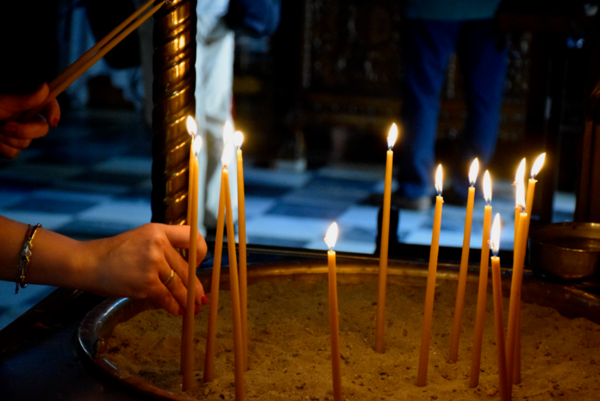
428,47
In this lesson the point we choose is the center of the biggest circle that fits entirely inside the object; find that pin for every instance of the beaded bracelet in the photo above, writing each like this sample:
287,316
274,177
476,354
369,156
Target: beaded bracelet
25,256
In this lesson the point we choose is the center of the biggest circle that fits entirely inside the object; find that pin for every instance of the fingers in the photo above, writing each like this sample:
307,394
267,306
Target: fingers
8,152
10,104
15,143
52,113
179,237
180,266
35,128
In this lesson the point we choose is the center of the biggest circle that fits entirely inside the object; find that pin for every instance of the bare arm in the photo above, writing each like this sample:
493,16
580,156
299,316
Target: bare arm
133,264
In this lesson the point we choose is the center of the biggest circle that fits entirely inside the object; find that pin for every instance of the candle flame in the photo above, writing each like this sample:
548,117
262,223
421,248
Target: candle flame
537,165
495,236
520,176
331,235
520,202
227,151
238,139
438,180
196,144
227,131
473,171
191,126
392,136
487,187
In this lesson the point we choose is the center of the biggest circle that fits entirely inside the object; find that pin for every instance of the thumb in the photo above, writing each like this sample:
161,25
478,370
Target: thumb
13,103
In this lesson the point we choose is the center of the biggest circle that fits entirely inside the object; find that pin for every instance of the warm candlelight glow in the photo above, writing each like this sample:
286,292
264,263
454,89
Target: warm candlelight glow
438,180
191,126
521,195
331,235
495,237
520,176
227,131
537,166
487,187
196,145
392,136
238,139
227,152
473,171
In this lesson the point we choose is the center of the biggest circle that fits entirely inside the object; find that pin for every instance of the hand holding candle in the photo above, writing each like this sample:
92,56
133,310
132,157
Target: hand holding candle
330,239
464,262
429,294
385,235
498,315
483,278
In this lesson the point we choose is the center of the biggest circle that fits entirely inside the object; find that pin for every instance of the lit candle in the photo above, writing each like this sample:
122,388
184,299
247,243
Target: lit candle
519,178
330,239
483,279
498,316
238,139
464,262
537,166
238,346
385,235
517,278
211,334
188,320
433,256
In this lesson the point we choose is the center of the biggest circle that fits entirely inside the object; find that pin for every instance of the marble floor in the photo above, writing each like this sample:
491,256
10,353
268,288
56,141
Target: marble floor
90,178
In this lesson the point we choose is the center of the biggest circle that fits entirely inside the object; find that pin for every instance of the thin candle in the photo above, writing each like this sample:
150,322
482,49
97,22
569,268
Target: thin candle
498,315
238,139
385,235
464,262
234,288
519,177
483,279
188,320
429,295
517,278
537,166
330,239
211,335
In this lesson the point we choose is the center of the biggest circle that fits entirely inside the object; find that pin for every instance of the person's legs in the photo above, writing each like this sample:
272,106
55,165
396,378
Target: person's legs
214,79
428,47
483,61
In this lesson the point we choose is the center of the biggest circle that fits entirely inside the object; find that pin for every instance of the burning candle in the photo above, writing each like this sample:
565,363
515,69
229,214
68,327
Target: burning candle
330,239
429,294
211,335
238,346
188,320
498,316
464,262
517,278
483,278
385,235
519,177
537,166
238,139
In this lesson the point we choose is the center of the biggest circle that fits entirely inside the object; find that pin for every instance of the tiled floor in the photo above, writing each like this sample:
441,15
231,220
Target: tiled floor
90,178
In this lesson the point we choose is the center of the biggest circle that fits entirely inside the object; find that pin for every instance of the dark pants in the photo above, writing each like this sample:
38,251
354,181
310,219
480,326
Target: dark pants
428,47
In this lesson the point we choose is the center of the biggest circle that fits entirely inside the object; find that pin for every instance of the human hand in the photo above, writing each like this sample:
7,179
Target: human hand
136,264
17,135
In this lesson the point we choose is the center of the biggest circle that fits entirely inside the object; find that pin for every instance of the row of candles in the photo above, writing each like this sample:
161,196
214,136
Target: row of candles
508,352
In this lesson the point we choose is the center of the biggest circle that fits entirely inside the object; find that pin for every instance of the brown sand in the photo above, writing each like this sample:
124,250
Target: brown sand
289,351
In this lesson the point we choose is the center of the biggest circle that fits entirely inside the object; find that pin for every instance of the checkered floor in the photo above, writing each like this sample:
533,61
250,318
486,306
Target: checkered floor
90,178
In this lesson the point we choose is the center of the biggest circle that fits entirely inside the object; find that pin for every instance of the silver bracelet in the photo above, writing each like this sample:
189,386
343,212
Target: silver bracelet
25,257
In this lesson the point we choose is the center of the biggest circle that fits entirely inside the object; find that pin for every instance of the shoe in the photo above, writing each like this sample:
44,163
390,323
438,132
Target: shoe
421,204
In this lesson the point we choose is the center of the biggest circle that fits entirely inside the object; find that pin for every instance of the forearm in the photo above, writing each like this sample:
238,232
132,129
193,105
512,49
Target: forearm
55,259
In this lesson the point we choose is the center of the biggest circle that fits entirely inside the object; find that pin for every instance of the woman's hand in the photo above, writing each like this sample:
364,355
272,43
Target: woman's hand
137,263
17,135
